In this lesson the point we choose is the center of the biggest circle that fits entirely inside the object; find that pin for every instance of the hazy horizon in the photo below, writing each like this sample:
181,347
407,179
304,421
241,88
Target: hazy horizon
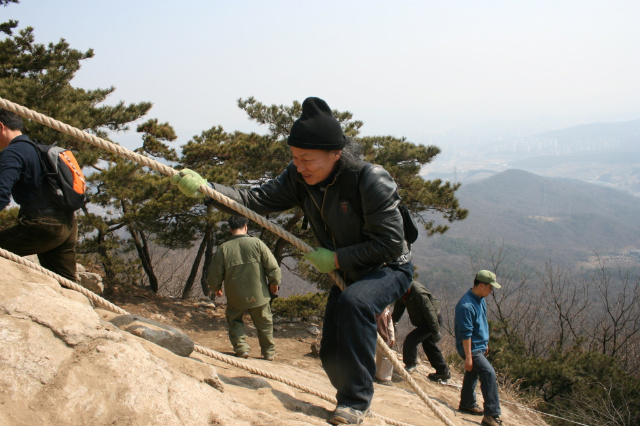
412,68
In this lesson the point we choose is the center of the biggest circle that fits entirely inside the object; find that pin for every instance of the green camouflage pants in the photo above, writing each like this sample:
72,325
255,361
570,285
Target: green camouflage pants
263,321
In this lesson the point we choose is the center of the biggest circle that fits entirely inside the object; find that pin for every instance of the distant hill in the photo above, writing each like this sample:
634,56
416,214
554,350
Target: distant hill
537,218
623,135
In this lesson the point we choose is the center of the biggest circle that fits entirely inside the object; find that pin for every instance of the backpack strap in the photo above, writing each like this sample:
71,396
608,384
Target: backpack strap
350,191
36,145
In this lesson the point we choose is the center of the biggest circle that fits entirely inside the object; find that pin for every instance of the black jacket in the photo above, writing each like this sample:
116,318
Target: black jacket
366,233
422,307
21,175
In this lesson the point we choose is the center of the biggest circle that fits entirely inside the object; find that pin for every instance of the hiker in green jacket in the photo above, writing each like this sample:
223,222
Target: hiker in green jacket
249,272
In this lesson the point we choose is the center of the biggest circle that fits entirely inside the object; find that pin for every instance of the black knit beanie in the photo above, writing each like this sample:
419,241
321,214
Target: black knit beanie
316,128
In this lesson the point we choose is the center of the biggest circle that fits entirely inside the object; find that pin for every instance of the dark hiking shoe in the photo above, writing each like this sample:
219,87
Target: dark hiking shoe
269,357
475,410
383,382
242,354
435,377
491,421
410,368
344,415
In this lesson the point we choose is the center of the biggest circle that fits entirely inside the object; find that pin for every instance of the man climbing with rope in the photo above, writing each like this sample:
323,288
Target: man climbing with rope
352,208
42,228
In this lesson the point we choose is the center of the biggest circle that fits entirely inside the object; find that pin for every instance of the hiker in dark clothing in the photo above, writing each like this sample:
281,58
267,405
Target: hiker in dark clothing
353,210
424,314
42,228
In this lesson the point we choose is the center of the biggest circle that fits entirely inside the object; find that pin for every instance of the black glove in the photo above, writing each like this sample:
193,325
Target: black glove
436,337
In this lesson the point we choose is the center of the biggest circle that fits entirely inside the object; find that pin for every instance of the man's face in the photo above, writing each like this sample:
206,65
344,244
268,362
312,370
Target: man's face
485,289
315,165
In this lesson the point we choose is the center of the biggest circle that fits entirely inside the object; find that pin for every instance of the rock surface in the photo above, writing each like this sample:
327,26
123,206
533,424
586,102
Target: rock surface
63,363
162,335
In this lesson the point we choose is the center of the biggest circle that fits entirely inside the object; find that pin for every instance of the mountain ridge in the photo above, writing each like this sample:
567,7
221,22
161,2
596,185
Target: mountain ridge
537,219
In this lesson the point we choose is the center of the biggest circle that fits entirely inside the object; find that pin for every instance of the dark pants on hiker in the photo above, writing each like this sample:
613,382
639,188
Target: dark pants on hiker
424,335
484,371
349,334
51,235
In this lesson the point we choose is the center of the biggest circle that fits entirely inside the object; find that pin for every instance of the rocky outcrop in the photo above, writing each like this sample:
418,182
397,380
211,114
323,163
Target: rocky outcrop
61,363
89,280
162,335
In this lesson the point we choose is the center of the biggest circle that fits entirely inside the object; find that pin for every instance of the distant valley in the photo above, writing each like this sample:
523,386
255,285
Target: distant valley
534,220
606,154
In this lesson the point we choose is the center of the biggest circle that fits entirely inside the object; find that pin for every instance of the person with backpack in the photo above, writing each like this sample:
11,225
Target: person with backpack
353,210
42,228
424,314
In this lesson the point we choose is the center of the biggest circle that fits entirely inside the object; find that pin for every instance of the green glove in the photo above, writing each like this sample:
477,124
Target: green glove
188,182
322,259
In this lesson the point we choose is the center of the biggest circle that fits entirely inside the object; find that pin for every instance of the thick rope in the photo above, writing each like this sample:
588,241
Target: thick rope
406,376
222,199
65,282
267,374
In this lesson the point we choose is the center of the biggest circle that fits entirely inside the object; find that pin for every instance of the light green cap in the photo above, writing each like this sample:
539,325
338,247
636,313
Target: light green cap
487,277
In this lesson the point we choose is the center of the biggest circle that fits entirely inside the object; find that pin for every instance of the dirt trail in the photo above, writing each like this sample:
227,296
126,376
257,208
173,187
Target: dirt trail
296,361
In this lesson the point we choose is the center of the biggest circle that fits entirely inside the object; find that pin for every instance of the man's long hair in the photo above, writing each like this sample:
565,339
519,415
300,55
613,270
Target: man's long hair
351,156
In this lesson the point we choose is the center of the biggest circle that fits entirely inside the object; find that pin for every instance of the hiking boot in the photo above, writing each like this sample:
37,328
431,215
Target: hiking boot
410,368
475,410
242,354
344,415
491,421
269,357
435,377
383,382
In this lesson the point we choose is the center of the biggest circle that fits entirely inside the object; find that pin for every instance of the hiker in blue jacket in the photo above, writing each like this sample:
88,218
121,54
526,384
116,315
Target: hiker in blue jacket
472,344
42,228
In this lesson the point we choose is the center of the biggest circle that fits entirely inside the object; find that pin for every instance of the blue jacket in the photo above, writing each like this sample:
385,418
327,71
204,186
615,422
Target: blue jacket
20,175
471,323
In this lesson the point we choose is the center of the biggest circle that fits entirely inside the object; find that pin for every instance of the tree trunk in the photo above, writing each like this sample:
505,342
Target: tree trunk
109,273
208,255
140,242
196,263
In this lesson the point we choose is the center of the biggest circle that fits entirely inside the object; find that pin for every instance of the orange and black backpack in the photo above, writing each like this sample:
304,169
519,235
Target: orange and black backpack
63,182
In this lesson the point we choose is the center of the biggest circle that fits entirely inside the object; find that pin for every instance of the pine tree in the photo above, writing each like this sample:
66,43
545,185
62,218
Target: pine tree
39,77
251,159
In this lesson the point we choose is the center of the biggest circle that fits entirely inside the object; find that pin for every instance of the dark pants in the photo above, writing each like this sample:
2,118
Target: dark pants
423,335
484,371
53,238
349,334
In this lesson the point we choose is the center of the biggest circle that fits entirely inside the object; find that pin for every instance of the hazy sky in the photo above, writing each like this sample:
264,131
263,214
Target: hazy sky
406,68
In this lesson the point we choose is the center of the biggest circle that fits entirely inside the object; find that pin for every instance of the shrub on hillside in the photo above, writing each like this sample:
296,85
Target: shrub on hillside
300,306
